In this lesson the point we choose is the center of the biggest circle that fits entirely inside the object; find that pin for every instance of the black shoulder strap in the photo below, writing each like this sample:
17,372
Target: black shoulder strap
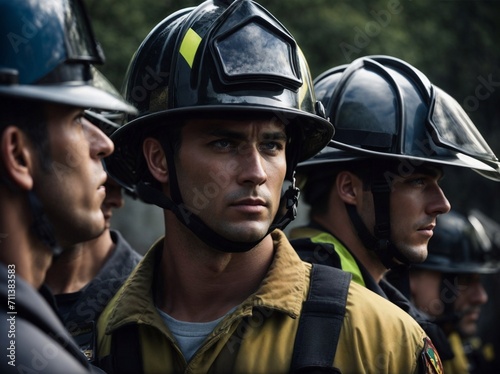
320,321
125,354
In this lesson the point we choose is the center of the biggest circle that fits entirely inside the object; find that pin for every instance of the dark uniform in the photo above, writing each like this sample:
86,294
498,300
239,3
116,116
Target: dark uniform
80,310
33,336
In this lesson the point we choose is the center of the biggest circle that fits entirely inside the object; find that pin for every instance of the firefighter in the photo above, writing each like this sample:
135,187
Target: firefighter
448,286
226,112
374,192
51,173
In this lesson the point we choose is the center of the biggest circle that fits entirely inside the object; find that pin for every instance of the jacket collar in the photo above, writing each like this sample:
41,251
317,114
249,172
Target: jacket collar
283,289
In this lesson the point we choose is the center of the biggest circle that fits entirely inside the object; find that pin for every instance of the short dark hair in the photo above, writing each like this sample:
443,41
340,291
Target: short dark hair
320,180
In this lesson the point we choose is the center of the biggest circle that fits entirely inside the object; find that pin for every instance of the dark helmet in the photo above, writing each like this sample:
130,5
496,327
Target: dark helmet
489,228
386,111
222,58
383,107
459,247
48,52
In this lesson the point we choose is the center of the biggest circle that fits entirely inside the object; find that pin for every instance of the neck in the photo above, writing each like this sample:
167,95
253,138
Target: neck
19,246
79,264
199,283
340,226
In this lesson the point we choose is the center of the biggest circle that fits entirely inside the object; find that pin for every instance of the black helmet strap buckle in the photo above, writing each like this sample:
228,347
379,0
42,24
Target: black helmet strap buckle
379,246
291,201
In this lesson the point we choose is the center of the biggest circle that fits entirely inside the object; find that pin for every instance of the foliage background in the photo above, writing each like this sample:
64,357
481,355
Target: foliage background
455,43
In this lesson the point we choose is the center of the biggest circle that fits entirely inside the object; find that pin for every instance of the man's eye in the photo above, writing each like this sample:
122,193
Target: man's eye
417,181
273,146
222,144
79,119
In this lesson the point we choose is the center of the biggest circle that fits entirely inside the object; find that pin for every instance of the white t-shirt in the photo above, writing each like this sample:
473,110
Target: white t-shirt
189,335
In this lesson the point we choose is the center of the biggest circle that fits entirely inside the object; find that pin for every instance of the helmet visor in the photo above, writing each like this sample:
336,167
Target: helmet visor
80,41
452,128
250,64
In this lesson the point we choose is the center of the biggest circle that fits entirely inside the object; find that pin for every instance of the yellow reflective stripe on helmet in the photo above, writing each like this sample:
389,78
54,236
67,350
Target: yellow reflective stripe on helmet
304,89
189,46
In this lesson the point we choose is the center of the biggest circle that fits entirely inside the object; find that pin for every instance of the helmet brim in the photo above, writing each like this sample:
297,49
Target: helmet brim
343,152
469,268
78,95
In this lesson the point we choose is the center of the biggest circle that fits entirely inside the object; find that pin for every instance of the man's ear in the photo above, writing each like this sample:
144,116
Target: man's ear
155,158
16,152
349,187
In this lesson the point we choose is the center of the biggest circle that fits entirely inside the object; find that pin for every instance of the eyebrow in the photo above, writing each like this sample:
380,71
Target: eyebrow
430,170
226,133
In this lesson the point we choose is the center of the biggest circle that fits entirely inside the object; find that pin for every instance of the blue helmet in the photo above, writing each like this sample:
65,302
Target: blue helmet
48,54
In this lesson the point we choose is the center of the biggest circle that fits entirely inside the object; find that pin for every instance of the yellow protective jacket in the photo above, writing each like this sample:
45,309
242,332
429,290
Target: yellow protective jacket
478,360
258,336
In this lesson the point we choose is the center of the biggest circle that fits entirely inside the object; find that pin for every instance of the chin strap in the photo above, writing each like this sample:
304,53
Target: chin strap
380,242
289,203
152,195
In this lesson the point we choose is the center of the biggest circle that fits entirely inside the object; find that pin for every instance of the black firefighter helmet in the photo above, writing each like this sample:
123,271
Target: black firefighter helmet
221,58
385,110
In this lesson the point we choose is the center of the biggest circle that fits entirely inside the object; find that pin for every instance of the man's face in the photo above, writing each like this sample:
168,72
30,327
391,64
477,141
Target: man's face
425,288
431,292
470,298
415,202
230,174
72,191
